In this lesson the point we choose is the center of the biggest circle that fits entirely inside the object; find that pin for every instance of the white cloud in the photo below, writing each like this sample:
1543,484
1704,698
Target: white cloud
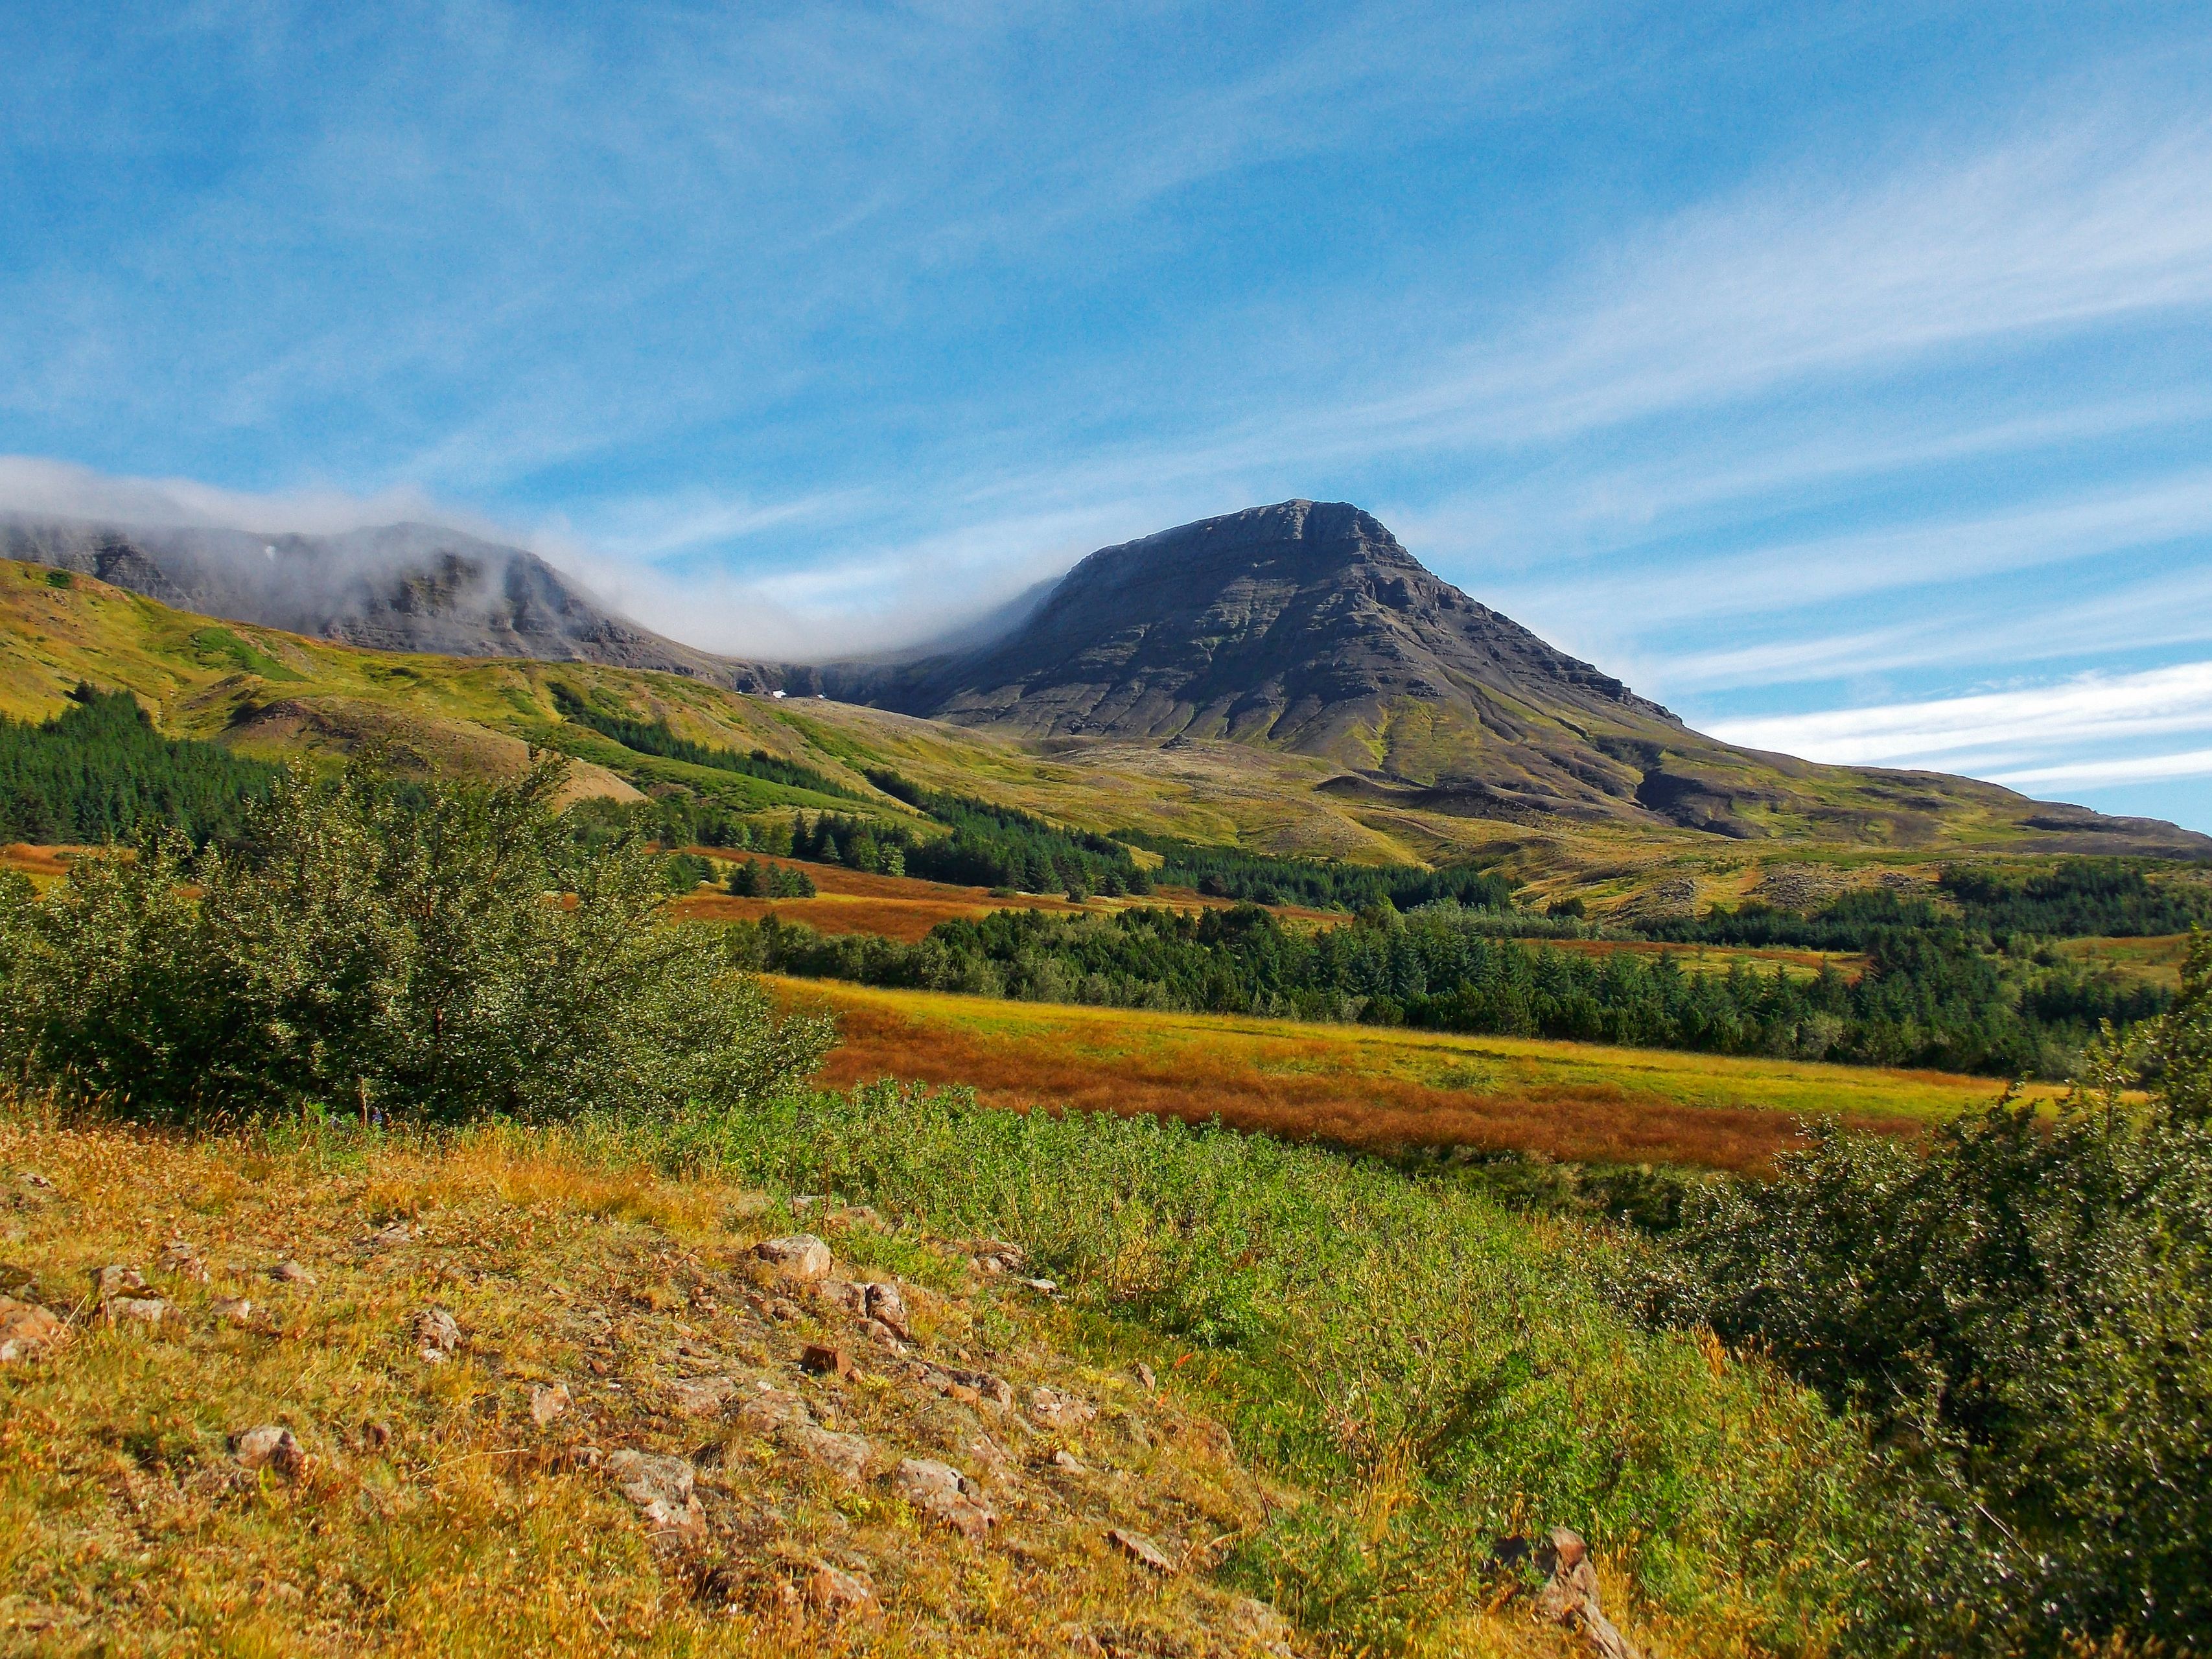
2024,723
35,487
2090,773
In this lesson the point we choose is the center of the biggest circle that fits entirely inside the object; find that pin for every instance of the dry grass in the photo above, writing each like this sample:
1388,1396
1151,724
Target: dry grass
44,866
127,1525
905,907
1370,1088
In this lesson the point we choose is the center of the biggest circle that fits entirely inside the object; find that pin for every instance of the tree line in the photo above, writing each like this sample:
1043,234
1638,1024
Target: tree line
1931,1000
99,772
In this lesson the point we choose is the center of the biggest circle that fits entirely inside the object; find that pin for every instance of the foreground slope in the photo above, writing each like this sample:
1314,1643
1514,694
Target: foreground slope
485,1340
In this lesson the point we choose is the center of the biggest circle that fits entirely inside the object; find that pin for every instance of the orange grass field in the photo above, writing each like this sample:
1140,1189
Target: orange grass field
1373,1087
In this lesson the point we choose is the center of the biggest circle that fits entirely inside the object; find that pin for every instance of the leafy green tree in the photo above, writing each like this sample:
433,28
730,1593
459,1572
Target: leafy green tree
430,953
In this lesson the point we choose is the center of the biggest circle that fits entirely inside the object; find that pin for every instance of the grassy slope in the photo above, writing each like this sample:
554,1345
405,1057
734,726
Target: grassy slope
1407,1373
266,691
1368,1087
2156,961
128,1525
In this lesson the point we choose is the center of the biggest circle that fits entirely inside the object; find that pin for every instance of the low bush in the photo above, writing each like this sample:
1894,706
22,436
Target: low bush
2020,1309
427,952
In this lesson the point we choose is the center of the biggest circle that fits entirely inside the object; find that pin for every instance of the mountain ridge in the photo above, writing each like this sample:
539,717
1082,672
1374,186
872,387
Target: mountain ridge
405,586
1302,630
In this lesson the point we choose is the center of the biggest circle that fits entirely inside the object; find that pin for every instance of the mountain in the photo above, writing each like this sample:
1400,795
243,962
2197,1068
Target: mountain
1290,671
393,587
1306,628
1302,624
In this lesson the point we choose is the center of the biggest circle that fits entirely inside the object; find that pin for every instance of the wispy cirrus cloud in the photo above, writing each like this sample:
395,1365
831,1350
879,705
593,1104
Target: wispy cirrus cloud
2012,734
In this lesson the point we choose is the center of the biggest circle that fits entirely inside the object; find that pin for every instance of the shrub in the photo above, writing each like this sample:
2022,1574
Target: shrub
434,953
753,879
2021,1309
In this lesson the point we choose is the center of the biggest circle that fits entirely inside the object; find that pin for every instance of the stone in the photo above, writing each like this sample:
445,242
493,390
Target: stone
139,1310
888,1308
1145,1378
1067,1460
661,1489
941,1492
1142,1550
700,1396
380,1435
648,1478
1042,1287
117,1280
437,1334
981,1384
876,1331
548,1403
182,1259
845,1455
273,1446
995,1255
289,1272
1051,1409
772,1409
825,1361
391,1234
834,1591
232,1309
801,1257
29,1331
844,1293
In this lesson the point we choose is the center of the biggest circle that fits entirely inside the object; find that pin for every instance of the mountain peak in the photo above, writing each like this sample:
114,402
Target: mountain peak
1304,625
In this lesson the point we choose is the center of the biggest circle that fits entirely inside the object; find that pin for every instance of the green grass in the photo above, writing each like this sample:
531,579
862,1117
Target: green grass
1433,1372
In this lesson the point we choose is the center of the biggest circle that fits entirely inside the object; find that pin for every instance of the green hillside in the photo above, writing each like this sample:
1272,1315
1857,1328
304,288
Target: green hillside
264,693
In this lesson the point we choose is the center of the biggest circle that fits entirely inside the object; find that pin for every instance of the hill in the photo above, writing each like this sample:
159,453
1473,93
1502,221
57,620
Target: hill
393,587
267,693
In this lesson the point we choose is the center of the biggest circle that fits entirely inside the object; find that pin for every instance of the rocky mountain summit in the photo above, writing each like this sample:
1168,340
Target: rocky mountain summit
1304,625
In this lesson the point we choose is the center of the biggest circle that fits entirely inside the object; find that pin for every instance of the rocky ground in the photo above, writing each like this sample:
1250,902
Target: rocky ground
489,1399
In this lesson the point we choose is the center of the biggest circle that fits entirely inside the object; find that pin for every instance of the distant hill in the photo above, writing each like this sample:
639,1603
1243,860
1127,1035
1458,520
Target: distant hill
1289,670
394,587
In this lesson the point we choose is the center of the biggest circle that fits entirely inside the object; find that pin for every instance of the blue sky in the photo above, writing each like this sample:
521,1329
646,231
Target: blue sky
1839,375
